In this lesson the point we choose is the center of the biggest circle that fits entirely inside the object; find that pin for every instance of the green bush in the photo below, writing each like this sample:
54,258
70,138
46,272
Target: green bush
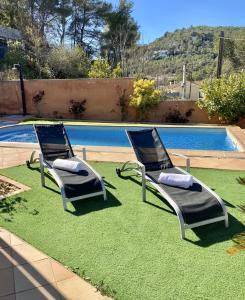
145,96
68,62
225,97
101,69
16,54
116,72
77,108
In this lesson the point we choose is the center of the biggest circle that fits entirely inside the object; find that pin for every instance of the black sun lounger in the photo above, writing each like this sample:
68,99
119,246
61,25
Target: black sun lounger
195,206
54,143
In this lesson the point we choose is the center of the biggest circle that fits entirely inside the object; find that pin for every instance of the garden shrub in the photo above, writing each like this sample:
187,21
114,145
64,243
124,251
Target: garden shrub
37,99
68,62
145,96
116,72
175,116
77,108
123,102
225,97
101,69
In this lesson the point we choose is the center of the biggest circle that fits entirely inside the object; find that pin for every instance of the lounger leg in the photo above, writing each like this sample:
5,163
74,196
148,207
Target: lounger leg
182,232
143,189
104,195
226,221
64,203
42,171
143,184
188,165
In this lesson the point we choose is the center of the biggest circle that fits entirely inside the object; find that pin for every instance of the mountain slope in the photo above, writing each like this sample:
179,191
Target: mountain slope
197,47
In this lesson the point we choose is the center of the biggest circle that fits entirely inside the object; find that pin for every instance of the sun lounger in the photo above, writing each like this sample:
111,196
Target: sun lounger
54,144
195,206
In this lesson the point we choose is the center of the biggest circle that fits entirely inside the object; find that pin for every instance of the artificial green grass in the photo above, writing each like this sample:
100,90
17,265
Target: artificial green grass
129,248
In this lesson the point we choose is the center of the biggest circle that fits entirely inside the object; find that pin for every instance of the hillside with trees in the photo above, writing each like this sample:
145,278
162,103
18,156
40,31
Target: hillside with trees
62,38
196,47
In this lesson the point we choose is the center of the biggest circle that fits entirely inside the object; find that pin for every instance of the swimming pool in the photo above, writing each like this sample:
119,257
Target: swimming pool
173,137
4,123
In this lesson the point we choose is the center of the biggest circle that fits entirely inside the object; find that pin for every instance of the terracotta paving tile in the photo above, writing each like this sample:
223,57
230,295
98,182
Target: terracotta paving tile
36,280
6,282
24,253
33,275
77,289
121,154
60,272
47,292
15,240
9,297
4,238
5,258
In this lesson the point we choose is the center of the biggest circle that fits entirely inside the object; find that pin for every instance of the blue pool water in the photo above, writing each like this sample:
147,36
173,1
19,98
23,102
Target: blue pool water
175,138
4,123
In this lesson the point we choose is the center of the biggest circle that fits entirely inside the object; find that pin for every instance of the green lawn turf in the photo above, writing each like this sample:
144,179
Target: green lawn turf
132,249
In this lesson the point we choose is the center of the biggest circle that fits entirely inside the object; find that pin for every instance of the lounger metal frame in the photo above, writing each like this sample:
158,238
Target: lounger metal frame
65,200
183,226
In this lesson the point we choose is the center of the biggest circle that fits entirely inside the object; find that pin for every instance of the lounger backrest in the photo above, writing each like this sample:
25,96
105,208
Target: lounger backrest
149,149
54,142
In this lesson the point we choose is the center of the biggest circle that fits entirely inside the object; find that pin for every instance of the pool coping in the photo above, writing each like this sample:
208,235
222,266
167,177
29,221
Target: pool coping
125,150
118,124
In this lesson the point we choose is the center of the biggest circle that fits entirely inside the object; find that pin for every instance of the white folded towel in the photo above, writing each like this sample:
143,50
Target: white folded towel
180,180
68,165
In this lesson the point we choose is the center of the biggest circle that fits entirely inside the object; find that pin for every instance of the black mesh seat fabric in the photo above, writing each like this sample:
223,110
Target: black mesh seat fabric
78,184
149,149
196,203
53,141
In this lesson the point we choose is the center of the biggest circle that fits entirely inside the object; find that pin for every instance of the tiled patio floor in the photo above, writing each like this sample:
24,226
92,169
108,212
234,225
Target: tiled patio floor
204,159
28,274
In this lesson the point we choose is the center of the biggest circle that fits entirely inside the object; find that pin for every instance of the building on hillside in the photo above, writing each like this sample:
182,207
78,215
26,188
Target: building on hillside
192,91
7,34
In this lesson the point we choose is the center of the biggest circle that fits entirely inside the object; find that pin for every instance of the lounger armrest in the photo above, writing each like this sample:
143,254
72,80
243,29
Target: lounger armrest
188,160
140,165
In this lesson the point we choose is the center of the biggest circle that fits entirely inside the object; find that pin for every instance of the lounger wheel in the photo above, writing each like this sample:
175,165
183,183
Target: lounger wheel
118,171
28,164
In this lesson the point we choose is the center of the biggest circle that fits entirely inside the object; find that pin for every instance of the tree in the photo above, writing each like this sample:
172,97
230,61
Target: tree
120,34
43,14
86,22
225,97
63,12
14,13
68,63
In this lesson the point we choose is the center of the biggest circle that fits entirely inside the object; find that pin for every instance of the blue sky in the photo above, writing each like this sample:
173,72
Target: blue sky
155,17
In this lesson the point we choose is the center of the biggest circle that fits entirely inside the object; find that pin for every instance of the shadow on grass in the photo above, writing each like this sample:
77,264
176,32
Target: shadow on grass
88,205
217,232
85,206
108,184
209,234
153,191
13,205
46,173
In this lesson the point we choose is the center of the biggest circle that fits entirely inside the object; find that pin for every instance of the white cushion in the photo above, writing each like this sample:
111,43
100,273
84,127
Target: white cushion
67,165
180,180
